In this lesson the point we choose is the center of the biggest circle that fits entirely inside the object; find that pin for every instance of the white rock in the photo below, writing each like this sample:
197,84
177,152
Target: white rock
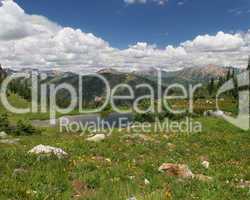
10,141
146,182
205,164
203,178
132,198
217,113
181,171
3,135
96,138
42,149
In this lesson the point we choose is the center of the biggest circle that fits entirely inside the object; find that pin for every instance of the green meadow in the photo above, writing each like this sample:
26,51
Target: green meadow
117,168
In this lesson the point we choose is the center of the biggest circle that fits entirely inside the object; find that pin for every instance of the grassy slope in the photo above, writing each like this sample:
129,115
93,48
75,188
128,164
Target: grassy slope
227,148
18,102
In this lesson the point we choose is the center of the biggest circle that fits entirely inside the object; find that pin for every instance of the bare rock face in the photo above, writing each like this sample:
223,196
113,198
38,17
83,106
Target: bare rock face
177,170
48,150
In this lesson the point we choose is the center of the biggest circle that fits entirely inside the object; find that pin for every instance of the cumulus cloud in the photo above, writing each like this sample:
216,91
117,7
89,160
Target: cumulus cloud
36,42
15,24
219,42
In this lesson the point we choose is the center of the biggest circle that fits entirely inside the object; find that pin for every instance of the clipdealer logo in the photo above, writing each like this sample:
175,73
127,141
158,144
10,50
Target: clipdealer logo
242,120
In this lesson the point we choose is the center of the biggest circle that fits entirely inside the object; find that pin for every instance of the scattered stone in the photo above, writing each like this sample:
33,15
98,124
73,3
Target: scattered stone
138,136
205,164
181,171
203,178
171,146
217,113
19,171
10,141
81,189
243,184
97,138
166,136
203,158
132,198
3,135
42,149
146,182
101,159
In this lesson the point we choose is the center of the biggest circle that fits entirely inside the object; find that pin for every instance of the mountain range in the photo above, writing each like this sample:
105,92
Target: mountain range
94,87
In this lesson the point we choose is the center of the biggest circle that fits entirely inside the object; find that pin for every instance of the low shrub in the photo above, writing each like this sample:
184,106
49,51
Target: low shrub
24,128
4,123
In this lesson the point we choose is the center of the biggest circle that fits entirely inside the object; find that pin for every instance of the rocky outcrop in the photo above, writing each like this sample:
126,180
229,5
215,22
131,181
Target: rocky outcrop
48,150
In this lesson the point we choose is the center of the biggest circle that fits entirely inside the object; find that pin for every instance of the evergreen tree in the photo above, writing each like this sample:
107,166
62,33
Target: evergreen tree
235,92
211,87
220,82
229,75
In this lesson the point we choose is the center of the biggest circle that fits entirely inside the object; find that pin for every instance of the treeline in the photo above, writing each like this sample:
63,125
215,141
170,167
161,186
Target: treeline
22,128
215,84
22,88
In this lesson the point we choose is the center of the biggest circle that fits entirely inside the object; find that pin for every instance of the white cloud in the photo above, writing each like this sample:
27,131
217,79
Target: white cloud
135,1
15,24
239,11
181,3
219,42
36,42
159,2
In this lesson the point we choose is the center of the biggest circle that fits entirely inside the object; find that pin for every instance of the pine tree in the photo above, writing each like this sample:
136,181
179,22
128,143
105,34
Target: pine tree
229,75
220,82
235,92
211,87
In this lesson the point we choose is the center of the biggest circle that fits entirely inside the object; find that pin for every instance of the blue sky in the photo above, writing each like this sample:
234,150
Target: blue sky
89,35
121,24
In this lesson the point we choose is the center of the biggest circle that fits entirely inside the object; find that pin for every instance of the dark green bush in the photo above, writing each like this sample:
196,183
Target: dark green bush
146,117
4,123
24,128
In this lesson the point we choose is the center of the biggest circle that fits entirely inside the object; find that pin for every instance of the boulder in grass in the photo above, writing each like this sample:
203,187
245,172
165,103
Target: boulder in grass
218,113
3,135
48,150
177,170
19,171
182,171
205,164
10,141
96,138
243,184
132,198
203,178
